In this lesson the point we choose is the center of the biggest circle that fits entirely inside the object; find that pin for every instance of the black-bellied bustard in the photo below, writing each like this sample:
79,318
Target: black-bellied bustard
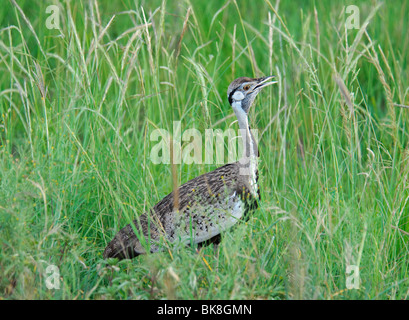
208,204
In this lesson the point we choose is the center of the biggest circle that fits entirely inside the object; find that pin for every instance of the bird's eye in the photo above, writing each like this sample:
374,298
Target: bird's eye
246,87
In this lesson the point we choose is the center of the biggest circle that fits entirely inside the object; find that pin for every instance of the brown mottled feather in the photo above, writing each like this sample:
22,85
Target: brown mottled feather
210,189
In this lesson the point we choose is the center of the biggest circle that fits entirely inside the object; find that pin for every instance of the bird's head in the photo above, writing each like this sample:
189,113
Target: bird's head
243,91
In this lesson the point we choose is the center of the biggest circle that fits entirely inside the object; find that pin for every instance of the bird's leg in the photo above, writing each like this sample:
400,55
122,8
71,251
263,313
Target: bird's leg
216,249
199,247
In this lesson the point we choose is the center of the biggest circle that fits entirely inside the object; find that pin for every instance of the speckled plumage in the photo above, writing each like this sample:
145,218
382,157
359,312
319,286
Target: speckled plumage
206,205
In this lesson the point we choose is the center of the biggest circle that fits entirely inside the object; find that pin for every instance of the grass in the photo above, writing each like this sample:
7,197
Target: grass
78,105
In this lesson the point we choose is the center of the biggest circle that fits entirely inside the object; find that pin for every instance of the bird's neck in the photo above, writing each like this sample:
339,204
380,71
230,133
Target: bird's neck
248,161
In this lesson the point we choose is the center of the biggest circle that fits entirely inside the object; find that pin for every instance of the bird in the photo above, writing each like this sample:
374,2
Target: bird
200,210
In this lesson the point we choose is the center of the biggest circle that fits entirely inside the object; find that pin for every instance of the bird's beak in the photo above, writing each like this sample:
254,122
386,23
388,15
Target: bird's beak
263,82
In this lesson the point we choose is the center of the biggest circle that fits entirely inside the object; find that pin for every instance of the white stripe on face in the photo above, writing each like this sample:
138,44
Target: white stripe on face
238,96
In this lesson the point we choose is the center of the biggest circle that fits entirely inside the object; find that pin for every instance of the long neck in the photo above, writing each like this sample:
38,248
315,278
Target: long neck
249,143
248,161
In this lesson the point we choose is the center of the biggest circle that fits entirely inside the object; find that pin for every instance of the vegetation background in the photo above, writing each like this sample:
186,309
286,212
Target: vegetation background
78,104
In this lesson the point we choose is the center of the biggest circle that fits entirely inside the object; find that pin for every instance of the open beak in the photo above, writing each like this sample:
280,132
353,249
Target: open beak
263,82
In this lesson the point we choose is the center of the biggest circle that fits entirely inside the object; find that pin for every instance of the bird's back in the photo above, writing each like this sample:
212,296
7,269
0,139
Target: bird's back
198,211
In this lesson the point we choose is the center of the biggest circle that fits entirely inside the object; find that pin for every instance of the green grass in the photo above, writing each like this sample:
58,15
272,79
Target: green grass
78,105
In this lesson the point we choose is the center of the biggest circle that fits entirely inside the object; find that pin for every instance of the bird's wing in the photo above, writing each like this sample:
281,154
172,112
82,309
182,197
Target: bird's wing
201,208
